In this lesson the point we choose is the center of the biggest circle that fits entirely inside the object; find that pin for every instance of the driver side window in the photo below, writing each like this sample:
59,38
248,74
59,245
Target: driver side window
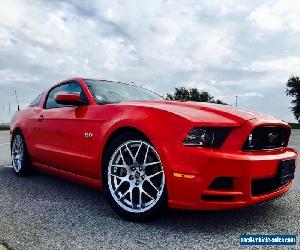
68,88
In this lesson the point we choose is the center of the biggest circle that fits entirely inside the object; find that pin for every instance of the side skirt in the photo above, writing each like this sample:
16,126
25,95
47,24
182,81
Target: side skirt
70,176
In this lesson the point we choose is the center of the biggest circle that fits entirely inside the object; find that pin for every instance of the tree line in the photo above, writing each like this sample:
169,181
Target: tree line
293,90
192,94
195,95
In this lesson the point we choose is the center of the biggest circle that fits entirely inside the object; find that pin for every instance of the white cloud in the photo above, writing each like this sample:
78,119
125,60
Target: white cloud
290,64
219,46
277,15
5,38
8,76
250,94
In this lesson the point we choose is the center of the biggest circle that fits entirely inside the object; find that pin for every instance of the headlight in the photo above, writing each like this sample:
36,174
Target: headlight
206,137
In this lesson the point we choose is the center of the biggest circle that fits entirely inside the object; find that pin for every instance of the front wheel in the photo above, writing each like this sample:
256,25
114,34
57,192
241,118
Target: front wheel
134,178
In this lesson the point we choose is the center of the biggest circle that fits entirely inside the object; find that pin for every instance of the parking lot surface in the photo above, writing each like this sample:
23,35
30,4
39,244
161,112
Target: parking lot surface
46,212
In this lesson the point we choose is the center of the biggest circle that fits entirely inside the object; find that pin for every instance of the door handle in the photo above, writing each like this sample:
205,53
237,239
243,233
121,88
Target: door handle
40,118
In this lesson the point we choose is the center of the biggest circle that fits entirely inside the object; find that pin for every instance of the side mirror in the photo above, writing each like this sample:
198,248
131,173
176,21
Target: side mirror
68,99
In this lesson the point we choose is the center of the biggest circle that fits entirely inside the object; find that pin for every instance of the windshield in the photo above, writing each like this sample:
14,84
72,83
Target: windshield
111,92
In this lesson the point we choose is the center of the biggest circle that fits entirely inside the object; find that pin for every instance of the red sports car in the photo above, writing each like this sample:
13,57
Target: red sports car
147,153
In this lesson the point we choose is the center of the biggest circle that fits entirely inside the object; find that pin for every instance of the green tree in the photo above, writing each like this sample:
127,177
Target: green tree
192,94
293,89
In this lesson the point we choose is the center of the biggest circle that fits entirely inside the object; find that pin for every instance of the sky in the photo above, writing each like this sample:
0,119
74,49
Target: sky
230,48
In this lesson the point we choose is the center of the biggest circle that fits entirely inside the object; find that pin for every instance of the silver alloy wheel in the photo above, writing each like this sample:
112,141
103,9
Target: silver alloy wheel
17,153
136,177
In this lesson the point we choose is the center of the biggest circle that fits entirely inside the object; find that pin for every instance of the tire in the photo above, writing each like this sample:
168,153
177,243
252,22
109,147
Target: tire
133,178
19,155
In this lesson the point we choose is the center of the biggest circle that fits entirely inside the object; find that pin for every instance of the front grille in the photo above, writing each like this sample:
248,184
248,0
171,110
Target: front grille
267,137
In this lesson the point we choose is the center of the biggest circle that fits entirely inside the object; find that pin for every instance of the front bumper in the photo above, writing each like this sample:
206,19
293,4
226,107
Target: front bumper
207,165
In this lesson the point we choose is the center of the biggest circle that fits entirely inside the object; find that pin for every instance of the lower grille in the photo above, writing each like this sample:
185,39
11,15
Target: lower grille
285,174
218,198
265,186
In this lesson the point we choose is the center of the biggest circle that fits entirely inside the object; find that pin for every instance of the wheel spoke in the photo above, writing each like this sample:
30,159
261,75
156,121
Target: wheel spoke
120,184
121,197
131,197
148,195
122,157
140,197
138,151
150,176
120,166
152,163
132,157
116,176
146,155
151,183
19,164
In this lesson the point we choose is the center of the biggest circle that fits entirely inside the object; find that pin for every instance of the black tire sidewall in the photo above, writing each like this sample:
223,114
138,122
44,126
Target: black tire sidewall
161,205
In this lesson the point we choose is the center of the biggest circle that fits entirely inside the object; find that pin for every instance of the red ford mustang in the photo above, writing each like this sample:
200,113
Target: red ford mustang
147,153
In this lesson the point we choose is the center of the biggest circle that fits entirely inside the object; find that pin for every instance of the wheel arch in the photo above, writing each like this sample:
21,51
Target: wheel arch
15,130
119,131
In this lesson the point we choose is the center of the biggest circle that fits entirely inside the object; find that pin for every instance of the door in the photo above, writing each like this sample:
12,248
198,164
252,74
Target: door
59,130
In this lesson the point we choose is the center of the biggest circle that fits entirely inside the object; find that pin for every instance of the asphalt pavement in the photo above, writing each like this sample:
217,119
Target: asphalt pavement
46,212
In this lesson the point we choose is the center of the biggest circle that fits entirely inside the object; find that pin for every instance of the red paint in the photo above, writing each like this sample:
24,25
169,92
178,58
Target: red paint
56,144
67,98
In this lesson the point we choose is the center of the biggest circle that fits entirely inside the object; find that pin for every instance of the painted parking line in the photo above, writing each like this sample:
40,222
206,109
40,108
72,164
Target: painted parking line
2,144
8,166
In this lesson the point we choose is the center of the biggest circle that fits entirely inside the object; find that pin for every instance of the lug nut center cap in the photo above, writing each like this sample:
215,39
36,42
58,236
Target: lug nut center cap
137,175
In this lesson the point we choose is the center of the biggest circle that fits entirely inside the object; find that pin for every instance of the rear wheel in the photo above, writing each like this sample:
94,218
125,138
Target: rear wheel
134,178
19,155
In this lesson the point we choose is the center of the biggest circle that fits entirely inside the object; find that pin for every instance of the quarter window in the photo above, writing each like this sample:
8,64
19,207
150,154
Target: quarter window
36,101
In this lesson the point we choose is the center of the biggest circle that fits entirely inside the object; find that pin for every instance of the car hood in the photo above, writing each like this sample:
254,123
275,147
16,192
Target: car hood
209,113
